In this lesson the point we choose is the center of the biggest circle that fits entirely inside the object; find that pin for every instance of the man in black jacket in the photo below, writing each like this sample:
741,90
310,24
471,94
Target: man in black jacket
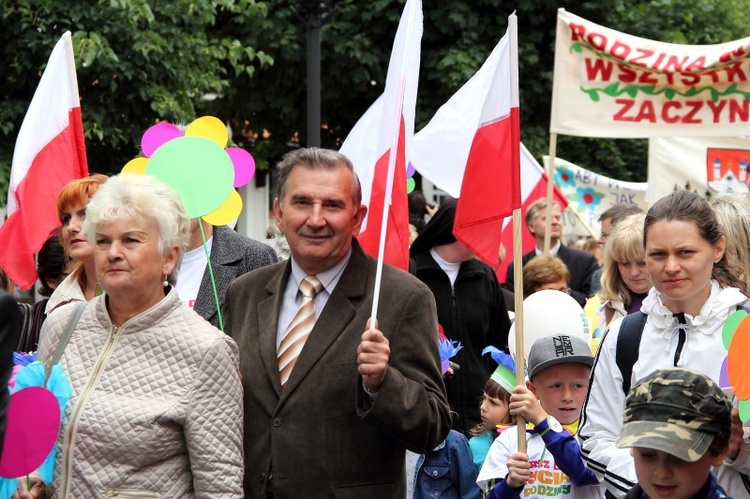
470,306
581,264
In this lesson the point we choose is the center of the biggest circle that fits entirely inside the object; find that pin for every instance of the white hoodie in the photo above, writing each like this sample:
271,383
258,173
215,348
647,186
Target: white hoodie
703,351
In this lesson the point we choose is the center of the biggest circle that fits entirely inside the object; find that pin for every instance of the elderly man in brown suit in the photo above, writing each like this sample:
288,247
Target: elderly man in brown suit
331,411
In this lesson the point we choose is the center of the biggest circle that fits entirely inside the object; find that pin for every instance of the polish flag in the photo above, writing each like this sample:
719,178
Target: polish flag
380,142
477,132
533,187
49,153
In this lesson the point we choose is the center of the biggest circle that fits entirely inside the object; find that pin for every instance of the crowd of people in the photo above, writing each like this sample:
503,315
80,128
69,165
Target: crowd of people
272,379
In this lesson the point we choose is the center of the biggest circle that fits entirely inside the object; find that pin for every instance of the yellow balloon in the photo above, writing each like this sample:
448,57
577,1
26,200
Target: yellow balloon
227,212
135,165
210,128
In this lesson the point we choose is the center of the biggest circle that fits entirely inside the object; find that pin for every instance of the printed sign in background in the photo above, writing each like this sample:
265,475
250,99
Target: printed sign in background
707,164
590,194
611,84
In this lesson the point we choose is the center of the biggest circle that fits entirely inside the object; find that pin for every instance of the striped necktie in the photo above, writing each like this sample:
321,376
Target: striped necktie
299,329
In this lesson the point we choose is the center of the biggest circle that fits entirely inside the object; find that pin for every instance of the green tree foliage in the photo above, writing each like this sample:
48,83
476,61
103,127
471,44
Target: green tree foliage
140,60
137,61
458,36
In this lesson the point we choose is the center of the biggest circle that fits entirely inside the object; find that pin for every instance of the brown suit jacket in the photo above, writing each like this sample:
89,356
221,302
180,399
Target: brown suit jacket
322,437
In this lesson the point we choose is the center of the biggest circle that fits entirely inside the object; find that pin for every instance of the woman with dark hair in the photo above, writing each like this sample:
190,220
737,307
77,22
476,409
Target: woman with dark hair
695,289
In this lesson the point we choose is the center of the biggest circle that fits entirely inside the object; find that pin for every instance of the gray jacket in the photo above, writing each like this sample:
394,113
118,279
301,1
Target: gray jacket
231,256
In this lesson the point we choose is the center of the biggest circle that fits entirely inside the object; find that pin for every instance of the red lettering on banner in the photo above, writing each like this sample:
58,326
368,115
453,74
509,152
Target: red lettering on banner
598,66
674,63
699,63
626,75
665,112
716,108
732,54
690,79
714,74
648,77
646,112
645,53
659,59
627,105
735,111
619,50
735,69
577,31
689,118
671,111
597,41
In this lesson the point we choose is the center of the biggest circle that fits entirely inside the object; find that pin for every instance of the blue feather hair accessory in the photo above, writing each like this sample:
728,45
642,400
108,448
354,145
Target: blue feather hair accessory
505,374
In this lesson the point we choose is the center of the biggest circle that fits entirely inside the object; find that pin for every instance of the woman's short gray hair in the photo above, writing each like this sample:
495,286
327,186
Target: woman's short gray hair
138,197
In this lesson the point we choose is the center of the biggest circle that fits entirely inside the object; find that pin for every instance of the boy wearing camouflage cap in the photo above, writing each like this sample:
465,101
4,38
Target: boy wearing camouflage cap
558,372
677,422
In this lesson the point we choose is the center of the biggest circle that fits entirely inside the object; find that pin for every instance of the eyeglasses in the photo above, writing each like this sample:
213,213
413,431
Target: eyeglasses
564,289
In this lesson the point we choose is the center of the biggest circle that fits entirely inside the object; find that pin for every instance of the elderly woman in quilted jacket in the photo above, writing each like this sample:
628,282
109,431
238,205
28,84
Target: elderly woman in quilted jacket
156,409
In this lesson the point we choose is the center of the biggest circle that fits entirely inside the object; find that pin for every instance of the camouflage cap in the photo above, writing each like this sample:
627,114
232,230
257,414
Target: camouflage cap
558,349
675,410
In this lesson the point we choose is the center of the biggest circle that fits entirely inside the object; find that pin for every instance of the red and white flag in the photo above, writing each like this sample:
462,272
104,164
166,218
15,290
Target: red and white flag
477,131
533,187
380,142
49,153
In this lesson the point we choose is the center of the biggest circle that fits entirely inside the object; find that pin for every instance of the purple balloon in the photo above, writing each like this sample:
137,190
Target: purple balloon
410,171
724,374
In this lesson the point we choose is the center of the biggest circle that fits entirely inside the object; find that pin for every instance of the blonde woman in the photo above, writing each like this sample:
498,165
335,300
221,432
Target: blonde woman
625,279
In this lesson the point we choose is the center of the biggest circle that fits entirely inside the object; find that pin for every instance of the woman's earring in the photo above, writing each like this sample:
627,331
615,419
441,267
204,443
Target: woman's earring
166,282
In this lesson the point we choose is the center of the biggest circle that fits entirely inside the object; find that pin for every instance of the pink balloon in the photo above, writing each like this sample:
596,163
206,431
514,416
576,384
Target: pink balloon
33,424
244,165
158,135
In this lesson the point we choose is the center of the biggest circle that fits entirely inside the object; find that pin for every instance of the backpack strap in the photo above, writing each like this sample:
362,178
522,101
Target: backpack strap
64,339
628,342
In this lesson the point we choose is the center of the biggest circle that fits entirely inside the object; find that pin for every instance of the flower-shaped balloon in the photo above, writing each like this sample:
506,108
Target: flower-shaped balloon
197,165
735,370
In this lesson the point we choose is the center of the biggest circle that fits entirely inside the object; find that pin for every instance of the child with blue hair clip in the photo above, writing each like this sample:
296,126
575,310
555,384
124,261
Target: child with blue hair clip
447,471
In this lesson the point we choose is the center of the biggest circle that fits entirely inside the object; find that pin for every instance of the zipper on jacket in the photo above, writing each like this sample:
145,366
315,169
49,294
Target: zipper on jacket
132,493
682,337
93,381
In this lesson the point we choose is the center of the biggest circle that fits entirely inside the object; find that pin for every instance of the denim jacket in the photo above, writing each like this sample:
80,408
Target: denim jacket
448,472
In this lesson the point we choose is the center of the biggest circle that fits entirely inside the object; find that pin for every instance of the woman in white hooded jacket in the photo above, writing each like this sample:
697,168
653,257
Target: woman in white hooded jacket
695,290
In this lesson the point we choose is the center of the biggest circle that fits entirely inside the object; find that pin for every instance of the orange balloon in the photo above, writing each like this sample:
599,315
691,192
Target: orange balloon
738,368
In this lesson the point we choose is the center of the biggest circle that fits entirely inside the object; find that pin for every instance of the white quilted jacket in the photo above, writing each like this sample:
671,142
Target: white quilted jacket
156,409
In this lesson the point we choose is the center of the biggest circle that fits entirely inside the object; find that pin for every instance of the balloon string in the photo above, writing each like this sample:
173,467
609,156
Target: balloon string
211,273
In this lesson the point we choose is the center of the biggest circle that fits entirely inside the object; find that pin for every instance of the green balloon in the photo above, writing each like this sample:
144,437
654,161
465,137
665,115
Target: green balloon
198,169
410,184
730,326
744,407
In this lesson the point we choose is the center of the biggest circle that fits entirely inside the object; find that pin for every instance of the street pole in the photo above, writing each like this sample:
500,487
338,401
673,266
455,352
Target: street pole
313,13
